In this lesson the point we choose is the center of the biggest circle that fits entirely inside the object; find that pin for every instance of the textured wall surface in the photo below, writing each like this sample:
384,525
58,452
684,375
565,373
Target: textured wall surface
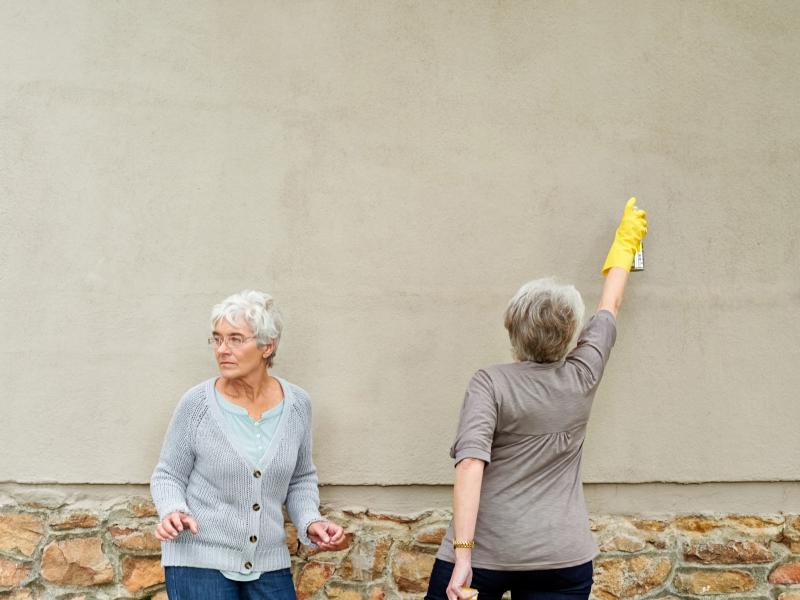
392,172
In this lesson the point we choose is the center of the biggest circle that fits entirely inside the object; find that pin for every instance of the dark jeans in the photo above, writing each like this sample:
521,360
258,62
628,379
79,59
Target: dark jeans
570,583
189,583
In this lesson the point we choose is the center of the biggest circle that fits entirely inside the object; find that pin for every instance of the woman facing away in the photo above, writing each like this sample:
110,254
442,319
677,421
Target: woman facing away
519,518
237,450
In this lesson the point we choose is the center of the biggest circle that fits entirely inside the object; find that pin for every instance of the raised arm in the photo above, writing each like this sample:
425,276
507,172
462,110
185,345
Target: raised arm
613,290
632,228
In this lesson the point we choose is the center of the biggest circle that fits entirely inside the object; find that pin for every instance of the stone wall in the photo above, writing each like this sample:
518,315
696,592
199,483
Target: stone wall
54,549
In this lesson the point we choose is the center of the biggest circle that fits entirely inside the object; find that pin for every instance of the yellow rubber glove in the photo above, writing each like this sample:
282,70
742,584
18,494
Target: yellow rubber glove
632,228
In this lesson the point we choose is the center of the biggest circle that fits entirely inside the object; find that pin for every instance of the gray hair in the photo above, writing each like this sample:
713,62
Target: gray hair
543,320
255,309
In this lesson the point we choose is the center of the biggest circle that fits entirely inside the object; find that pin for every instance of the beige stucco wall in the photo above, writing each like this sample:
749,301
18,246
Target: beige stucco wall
392,172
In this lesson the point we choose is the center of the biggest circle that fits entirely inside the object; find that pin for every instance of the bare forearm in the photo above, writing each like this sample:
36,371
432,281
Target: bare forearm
466,500
613,290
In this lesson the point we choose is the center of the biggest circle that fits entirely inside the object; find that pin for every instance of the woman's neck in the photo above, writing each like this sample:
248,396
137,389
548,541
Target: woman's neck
251,388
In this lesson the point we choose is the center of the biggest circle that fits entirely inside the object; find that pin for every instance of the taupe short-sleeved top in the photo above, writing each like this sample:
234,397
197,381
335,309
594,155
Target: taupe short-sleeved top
527,421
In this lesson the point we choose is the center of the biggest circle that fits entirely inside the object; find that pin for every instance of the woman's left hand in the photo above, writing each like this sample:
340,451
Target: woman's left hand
326,534
461,578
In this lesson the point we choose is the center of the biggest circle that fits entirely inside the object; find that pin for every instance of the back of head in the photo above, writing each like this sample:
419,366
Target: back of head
543,320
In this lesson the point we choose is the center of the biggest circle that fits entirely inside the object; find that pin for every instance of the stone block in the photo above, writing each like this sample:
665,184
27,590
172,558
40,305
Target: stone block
75,520
366,560
732,552
142,508
141,572
312,577
756,522
793,545
411,569
397,518
141,539
626,577
13,572
632,535
20,532
762,528
697,524
78,562
789,595
650,525
704,583
786,574
790,536
344,592
376,593
623,543
20,594
433,534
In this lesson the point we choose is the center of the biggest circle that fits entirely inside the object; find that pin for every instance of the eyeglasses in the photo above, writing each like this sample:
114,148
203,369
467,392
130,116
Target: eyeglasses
232,341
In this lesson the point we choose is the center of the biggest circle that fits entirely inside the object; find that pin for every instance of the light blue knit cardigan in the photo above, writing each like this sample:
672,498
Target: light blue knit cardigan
238,505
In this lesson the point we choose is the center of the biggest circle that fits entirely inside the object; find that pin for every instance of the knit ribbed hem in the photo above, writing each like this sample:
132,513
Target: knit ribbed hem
184,555
302,528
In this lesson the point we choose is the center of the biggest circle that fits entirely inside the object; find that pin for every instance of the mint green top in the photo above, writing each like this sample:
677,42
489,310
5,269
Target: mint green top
252,439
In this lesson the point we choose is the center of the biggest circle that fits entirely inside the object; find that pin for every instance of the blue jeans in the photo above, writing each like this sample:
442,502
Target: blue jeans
569,583
190,583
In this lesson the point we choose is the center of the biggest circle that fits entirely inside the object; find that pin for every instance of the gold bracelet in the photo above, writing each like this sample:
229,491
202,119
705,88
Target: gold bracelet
463,543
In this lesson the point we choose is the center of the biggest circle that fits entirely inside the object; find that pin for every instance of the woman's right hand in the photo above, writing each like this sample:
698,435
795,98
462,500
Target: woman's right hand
173,524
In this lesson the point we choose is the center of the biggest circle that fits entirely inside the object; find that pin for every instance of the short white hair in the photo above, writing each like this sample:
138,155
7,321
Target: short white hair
258,311
543,320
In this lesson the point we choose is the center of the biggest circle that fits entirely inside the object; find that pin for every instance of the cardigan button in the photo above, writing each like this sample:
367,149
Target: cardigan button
248,565
256,507
256,473
253,538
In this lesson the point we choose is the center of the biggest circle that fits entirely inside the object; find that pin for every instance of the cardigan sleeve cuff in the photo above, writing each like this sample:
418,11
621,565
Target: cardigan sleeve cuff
171,507
302,534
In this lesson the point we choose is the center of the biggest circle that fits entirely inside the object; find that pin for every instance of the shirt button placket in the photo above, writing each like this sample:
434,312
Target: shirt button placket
250,547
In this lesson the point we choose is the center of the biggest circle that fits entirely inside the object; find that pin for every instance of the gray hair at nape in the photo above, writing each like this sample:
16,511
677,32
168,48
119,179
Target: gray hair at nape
255,309
543,320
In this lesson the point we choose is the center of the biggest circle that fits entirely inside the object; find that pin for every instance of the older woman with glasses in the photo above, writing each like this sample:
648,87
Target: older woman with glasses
519,519
237,450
